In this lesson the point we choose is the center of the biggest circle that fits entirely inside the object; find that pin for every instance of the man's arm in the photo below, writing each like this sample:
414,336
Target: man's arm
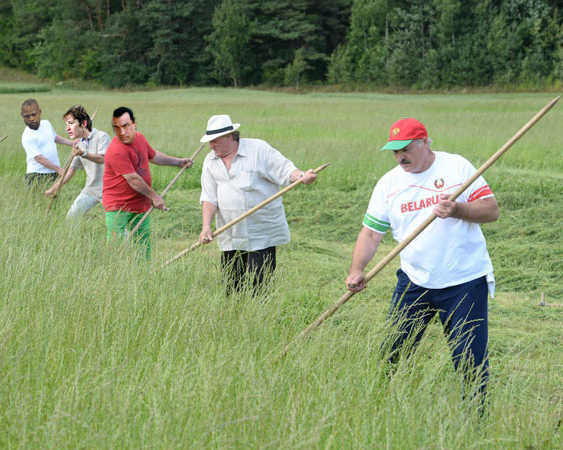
48,164
160,159
208,211
138,184
366,245
308,177
482,210
94,157
62,140
51,191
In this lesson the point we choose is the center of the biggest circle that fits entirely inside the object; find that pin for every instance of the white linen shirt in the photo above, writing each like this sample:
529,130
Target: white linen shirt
257,172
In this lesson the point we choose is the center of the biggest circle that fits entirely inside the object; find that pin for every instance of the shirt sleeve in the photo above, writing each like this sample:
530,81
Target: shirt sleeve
208,185
76,163
479,188
151,152
278,167
376,217
102,144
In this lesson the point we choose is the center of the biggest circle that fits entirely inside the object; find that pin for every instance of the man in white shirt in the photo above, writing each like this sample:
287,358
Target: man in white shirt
236,176
88,155
39,140
447,268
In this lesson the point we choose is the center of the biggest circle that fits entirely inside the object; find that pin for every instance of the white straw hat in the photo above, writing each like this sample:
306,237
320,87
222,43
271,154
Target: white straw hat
219,126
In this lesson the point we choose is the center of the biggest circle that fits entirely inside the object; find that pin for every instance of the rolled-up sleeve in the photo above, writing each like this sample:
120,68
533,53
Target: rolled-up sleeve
279,168
208,184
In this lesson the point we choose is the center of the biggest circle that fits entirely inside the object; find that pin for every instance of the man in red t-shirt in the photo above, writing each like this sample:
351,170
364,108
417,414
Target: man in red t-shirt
127,192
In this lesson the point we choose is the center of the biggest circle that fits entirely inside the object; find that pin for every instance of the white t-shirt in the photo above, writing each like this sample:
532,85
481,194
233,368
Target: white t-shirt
40,142
449,251
257,172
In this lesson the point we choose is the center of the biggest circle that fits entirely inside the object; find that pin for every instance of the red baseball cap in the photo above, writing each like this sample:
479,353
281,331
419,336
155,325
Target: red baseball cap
403,132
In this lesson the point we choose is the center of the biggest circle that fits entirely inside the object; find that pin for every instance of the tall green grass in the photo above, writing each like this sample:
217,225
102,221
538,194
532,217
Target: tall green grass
99,348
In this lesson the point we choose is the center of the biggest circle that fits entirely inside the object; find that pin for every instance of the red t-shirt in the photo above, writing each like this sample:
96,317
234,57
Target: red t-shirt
122,159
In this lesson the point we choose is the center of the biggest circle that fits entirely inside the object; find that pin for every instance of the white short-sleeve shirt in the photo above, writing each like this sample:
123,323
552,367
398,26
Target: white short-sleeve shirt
449,251
40,142
257,172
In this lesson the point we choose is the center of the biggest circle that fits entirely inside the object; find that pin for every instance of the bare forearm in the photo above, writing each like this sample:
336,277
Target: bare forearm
160,159
366,246
308,177
207,213
69,175
45,162
62,140
364,251
138,184
98,159
479,211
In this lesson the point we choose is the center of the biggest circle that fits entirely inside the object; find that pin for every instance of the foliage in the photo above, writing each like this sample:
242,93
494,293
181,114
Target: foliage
445,43
229,42
421,44
101,350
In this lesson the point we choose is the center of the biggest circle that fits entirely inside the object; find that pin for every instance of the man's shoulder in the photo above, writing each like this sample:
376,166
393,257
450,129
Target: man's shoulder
254,144
98,137
140,139
394,174
449,157
116,149
99,134
45,126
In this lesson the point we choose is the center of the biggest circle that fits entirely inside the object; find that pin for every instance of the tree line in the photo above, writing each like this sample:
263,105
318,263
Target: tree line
398,43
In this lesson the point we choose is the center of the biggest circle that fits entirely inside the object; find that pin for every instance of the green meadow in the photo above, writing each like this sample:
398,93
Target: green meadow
100,349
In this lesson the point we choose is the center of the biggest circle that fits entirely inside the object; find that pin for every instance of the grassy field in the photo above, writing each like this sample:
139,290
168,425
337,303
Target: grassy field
101,350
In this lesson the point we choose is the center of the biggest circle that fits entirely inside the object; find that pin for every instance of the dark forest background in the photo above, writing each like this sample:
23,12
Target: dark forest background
432,44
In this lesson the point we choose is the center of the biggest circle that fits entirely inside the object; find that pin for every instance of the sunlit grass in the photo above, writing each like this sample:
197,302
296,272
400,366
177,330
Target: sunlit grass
99,348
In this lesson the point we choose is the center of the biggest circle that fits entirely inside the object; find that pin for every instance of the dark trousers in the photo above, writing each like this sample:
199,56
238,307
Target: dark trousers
36,179
242,268
463,312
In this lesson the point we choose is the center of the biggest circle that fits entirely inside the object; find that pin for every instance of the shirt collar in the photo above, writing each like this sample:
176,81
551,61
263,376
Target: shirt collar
87,140
241,151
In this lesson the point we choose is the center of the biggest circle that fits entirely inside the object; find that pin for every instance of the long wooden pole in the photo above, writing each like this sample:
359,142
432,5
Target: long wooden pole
68,162
134,230
245,215
60,181
387,259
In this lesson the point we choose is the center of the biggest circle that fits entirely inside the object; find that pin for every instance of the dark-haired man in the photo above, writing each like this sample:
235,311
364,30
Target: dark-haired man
127,193
89,156
39,141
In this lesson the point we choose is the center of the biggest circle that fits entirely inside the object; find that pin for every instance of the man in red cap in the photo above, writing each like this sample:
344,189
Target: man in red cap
447,268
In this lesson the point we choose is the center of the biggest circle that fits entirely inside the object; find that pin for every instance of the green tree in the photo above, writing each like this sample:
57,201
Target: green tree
295,70
284,26
229,42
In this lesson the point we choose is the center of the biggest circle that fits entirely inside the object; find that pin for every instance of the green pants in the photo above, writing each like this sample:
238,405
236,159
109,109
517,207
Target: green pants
118,221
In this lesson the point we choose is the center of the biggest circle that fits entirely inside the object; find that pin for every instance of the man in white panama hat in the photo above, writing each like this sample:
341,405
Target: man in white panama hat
237,175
